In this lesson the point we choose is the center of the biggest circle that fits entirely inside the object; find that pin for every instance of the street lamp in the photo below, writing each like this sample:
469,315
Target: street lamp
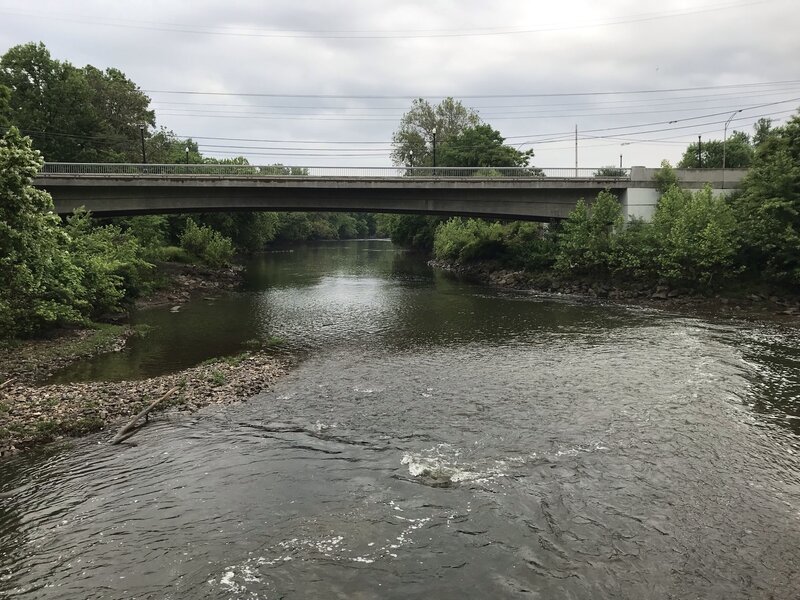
725,143
700,151
411,158
434,151
144,156
187,155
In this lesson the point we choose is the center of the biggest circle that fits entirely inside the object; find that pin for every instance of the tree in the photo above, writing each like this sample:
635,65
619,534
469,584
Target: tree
120,109
696,236
5,108
737,151
415,133
481,146
40,285
762,129
586,238
768,207
49,101
73,114
610,172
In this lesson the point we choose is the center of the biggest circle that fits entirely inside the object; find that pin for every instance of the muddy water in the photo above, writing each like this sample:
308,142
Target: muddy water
436,440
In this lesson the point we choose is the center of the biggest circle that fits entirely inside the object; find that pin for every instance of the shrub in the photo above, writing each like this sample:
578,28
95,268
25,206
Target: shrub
465,240
586,238
208,245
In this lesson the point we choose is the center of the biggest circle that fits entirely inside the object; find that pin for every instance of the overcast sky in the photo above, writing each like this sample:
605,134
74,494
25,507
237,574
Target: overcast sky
510,60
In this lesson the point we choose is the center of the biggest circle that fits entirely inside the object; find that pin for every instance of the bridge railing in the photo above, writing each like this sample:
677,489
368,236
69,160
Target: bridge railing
110,169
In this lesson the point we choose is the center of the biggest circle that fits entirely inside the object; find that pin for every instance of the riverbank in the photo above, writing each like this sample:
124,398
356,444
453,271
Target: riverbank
179,281
32,414
730,301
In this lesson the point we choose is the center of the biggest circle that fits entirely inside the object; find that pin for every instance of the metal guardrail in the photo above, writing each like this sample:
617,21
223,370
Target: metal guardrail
54,168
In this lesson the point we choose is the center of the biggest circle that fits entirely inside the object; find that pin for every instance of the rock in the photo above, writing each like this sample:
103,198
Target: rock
673,294
659,295
175,308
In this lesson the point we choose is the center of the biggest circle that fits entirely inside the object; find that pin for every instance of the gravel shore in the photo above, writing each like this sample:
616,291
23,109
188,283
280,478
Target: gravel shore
33,414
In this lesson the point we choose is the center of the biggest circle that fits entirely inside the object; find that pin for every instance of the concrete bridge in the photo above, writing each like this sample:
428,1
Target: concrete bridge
521,193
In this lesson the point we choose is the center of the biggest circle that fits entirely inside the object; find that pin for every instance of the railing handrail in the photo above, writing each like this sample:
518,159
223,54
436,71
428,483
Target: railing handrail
66,168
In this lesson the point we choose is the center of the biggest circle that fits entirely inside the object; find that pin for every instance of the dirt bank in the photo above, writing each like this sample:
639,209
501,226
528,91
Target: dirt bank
746,301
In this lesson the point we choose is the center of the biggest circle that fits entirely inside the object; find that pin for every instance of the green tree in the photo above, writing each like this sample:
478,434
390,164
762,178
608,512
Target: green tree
164,147
696,233
415,133
5,108
465,240
737,151
761,131
120,109
50,101
481,146
207,244
41,286
73,114
768,207
585,242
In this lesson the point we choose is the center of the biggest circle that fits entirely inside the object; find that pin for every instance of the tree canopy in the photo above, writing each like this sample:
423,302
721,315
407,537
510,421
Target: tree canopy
481,146
73,114
415,133
737,151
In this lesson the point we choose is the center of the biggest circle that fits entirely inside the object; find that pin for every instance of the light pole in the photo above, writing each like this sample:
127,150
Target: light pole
620,161
725,143
434,151
144,156
411,158
700,151
187,155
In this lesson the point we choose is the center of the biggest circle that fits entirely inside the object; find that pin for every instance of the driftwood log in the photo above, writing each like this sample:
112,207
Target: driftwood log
131,428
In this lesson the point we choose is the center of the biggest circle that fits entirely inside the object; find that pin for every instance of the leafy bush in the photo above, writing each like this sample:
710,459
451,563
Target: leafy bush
110,261
529,245
697,236
768,207
586,238
208,245
465,240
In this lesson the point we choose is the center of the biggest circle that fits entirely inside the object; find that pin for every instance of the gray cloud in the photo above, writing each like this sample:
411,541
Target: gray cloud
571,52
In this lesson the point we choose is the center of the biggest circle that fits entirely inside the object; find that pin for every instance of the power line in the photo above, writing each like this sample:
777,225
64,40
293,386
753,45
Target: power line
636,102
412,97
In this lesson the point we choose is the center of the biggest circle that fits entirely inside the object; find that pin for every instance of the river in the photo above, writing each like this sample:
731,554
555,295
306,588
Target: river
435,439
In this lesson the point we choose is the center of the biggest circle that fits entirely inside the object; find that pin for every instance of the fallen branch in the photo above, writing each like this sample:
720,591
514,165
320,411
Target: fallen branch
5,383
131,427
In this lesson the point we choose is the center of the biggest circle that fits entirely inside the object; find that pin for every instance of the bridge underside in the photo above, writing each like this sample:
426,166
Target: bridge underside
497,199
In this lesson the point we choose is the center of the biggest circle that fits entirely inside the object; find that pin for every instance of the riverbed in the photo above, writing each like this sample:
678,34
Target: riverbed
434,439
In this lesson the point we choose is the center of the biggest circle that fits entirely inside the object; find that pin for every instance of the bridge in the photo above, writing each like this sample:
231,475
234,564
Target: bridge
505,193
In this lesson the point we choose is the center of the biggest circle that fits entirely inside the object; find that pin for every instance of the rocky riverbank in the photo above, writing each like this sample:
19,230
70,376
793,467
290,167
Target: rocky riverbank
180,281
33,414
660,295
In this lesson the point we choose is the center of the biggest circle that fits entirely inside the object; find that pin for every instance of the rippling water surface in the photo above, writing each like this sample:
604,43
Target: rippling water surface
436,439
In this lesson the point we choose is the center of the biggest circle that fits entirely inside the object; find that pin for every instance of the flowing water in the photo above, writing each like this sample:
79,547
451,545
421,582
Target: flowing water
436,440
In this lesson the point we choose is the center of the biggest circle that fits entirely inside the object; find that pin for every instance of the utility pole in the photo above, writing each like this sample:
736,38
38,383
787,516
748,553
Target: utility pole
434,151
700,151
620,161
576,150
144,156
